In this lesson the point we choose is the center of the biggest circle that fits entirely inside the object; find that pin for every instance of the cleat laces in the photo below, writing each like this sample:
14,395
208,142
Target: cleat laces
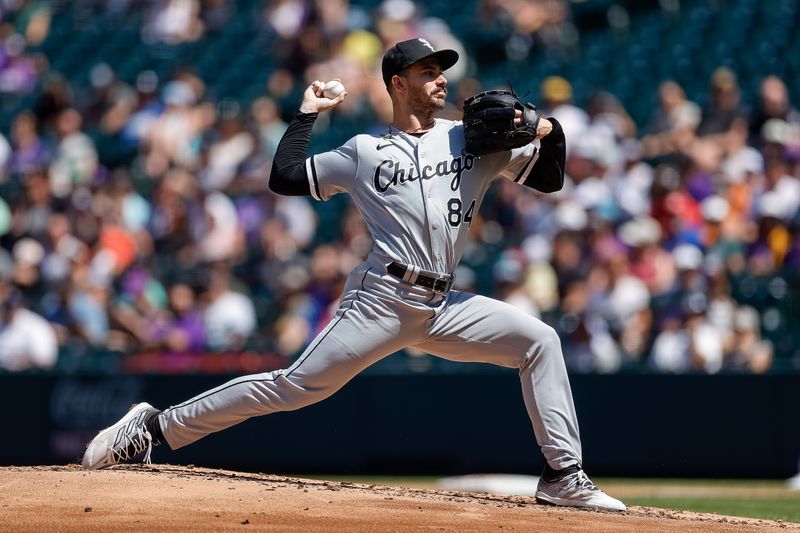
582,481
133,443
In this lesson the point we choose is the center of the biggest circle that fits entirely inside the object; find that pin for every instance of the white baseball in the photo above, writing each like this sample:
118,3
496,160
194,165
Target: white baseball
333,89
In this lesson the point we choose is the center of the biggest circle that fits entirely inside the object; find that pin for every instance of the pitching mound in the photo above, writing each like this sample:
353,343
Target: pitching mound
171,498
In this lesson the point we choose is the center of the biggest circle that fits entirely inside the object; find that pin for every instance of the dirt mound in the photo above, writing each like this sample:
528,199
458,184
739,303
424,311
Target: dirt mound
170,498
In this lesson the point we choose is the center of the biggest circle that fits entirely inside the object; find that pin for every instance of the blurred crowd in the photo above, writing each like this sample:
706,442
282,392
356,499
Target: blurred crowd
135,215
673,247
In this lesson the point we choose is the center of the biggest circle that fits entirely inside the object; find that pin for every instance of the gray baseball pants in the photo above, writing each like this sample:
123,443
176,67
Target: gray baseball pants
377,316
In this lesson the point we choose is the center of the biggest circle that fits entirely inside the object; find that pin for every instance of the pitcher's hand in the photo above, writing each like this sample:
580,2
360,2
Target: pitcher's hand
314,101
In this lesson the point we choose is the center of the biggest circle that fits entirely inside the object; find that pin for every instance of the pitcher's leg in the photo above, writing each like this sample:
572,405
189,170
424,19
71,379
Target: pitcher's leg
479,329
352,341
548,397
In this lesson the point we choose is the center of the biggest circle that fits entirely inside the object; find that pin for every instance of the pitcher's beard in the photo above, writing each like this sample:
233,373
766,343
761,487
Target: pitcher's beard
427,105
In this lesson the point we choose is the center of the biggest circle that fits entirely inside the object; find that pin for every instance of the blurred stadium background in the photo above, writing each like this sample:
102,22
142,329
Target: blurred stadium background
140,250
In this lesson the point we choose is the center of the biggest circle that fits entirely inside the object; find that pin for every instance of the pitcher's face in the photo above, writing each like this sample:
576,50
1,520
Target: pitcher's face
427,86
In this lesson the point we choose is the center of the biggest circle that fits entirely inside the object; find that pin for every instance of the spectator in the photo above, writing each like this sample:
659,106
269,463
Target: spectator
589,344
75,159
781,181
268,124
773,103
178,216
27,340
609,119
670,353
556,101
30,152
56,96
671,127
175,134
173,22
186,330
705,345
33,21
509,276
740,161
772,241
223,237
725,106
28,254
227,153
229,315
513,28
134,116
626,308
38,203
140,309
748,352
19,72
651,263
87,303
632,181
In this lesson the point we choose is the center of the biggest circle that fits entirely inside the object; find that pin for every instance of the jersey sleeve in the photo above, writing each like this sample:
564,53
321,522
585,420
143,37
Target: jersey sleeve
521,162
332,172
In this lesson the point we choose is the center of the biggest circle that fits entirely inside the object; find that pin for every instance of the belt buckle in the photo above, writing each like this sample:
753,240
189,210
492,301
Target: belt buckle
442,284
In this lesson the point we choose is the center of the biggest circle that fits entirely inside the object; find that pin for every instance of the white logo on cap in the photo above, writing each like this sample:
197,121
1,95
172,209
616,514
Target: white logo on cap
426,43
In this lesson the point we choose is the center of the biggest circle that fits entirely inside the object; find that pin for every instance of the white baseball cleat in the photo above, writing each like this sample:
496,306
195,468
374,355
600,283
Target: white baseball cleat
123,441
576,490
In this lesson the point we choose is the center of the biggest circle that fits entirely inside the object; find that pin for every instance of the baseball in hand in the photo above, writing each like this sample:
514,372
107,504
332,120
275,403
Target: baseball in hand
333,89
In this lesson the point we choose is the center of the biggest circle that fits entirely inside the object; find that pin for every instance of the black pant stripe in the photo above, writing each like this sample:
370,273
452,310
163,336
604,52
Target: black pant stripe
194,400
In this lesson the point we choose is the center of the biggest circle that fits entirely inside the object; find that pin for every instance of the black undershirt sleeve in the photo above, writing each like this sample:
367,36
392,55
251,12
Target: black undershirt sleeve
548,172
289,176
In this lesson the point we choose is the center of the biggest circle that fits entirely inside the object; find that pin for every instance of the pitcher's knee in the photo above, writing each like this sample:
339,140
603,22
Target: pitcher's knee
294,399
550,340
305,399
546,344
295,394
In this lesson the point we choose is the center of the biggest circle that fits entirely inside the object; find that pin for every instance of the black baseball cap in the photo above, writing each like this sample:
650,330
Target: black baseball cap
406,53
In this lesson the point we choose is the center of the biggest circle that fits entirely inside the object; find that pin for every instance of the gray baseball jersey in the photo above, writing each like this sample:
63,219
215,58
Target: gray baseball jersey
418,196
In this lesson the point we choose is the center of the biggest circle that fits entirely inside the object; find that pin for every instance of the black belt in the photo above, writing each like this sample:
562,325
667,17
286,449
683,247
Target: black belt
440,283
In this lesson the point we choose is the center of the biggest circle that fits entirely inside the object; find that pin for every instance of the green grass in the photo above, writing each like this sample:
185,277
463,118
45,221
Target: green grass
766,499
787,509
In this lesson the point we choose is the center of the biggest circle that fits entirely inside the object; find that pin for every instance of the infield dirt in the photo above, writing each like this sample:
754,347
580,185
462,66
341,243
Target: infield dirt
179,498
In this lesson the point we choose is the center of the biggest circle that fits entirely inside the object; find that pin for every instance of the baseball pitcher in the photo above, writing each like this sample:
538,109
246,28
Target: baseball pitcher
418,187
